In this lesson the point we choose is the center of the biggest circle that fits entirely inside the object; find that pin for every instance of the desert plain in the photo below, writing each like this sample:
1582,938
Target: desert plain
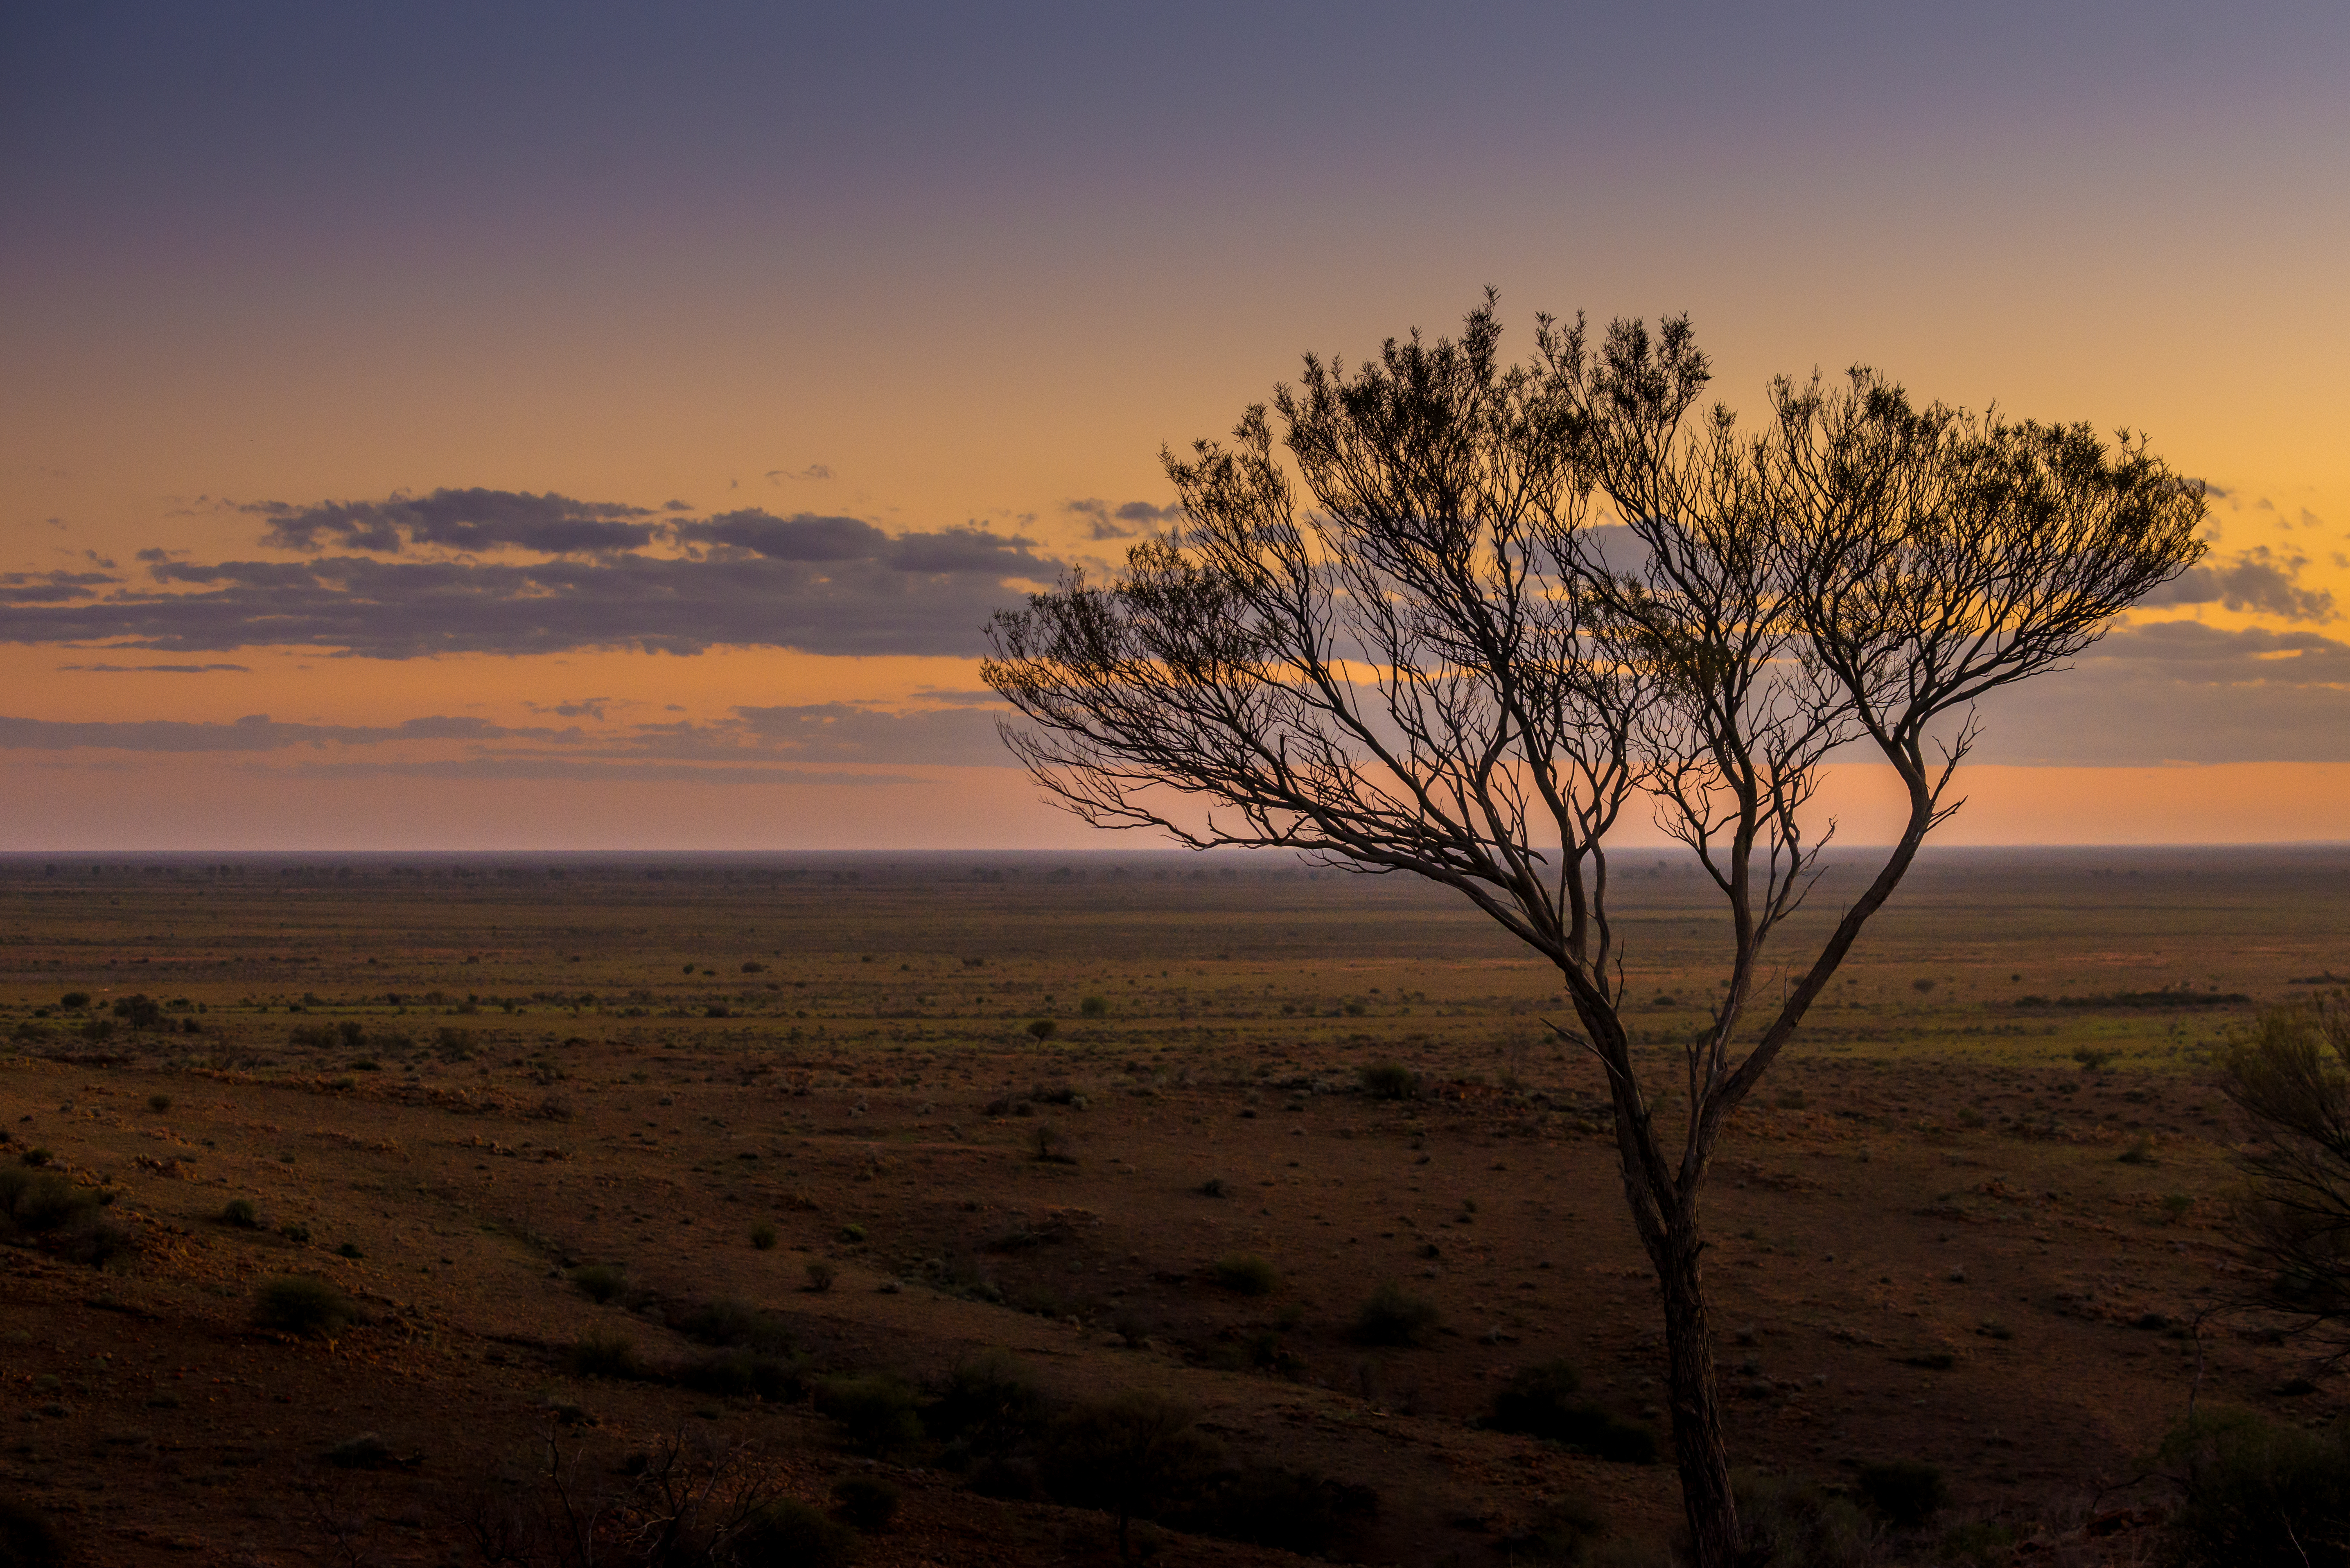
625,1172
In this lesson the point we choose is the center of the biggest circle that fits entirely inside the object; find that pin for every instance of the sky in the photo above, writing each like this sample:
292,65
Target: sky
573,427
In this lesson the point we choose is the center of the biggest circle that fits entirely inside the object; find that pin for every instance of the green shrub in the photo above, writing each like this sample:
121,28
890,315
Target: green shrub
1541,1402
876,1412
1389,1080
94,1240
1130,1455
868,1502
159,1103
1245,1273
1273,1505
41,1202
1561,1532
1792,1524
364,1452
1094,1006
988,1399
35,1157
1906,1493
600,1282
731,1321
764,1237
300,1305
745,1375
1041,1029
791,1532
599,1353
27,1539
820,1274
240,1214
2259,1491
1393,1315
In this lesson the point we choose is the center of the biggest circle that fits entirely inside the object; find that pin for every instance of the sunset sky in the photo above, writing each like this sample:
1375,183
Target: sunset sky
602,427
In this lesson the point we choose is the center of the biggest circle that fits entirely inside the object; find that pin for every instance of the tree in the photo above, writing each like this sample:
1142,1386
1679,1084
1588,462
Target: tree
2289,1073
1397,637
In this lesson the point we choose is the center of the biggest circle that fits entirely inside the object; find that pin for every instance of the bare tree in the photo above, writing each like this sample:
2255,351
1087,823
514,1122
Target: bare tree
1398,636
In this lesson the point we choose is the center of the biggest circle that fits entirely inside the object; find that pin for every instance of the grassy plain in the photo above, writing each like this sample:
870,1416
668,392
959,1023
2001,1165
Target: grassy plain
455,1088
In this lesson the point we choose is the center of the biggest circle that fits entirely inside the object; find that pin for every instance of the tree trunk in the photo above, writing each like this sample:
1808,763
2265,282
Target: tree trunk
1698,1448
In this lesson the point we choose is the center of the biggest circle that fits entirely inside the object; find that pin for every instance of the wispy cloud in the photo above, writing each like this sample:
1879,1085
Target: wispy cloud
1123,520
409,582
155,669
2259,580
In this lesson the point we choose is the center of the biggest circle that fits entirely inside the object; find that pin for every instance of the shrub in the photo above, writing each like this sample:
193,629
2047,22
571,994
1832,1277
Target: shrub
1215,1187
36,1157
1128,1455
850,1235
2091,1058
599,1354
39,1202
763,1236
74,1000
1245,1273
1389,1080
1051,1145
2258,1491
1906,1493
820,1275
875,1413
159,1103
745,1375
364,1452
1393,1315
97,1241
27,1539
989,1399
1273,1505
868,1502
1094,1006
731,1321
1562,1530
2140,1152
1541,1402
1041,1029
350,1249
791,1531
1792,1524
239,1213
300,1305
600,1282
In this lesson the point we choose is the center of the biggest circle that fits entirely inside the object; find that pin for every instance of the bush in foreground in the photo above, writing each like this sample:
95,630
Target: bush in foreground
2258,1491
875,1412
793,1532
1393,1315
1245,1274
301,1305
1542,1401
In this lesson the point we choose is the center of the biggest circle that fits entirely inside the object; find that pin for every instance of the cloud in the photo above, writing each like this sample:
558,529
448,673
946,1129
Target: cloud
964,736
155,669
566,770
1104,521
2180,691
2257,579
470,520
827,584
50,587
255,733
